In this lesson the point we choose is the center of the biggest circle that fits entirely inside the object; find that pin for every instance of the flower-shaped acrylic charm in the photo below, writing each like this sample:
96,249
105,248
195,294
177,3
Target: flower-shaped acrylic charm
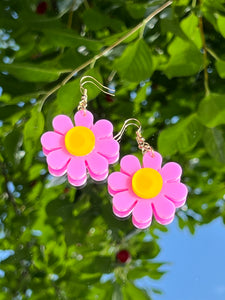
148,190
77,149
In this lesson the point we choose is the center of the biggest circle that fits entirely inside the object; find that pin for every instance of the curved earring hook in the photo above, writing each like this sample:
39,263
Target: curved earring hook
95,82
90,79
142,144
126,124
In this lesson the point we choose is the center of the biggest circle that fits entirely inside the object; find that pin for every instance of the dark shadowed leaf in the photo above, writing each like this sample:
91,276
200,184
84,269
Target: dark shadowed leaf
12,142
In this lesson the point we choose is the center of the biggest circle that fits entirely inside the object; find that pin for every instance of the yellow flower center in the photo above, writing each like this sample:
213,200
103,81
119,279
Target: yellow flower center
147,183
80,141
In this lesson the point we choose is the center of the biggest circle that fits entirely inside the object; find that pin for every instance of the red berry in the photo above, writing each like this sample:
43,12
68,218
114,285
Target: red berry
41,8
33,183
66,190
123,256
109,98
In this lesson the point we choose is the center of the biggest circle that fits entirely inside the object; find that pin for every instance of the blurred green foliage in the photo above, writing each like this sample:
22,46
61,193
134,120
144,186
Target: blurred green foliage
170,75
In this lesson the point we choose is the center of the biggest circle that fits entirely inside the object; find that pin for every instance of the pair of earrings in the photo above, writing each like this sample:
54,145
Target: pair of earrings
89,148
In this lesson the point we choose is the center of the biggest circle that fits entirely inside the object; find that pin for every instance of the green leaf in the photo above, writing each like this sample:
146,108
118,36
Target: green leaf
91,15
32,132
190,26
157,291
136,10
71,59
147,250
130,292
172,25
12,142
185,60
220,67
215,144
8,110
68,96
67,37
221,24
5,98
135,64
141,96
211,111
31,72
142,271
181,137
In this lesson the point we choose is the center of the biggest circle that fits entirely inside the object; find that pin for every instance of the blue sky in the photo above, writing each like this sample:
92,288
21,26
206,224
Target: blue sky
197,269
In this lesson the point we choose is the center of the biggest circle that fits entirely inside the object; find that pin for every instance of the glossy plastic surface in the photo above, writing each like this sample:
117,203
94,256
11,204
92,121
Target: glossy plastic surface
79,150
130,195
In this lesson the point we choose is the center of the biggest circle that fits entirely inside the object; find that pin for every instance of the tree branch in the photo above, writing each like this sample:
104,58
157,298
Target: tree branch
206,76
104,52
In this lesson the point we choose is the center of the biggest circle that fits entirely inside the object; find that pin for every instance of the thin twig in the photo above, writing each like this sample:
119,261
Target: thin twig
70,18
104,52
206,76
212,53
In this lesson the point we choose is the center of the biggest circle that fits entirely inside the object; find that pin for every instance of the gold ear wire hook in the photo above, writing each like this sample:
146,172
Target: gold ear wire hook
84,80
126,124
142,144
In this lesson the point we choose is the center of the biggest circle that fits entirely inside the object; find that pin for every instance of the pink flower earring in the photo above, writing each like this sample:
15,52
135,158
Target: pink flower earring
148,189
83,149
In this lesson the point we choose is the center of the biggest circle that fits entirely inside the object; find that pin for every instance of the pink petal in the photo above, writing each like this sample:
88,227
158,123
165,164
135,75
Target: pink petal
76,169
97,165
120,214
114,159
176,192
108,148
118,182
99,177
164,209
51,140
102,129
129,164
171,172
142,214
153,161
84,118
57,172
124,202
77,183
141,225
165,221
62,124
57,160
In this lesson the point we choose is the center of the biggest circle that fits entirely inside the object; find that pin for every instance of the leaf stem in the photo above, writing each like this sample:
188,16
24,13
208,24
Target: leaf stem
104,52
70,18
206,76
212,53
